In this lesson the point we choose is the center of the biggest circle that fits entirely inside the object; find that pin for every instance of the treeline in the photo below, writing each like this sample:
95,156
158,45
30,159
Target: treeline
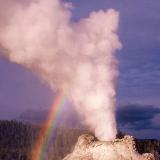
17,140
149,146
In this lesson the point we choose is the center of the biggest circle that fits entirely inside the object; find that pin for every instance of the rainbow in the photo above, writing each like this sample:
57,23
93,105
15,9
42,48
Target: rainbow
38,150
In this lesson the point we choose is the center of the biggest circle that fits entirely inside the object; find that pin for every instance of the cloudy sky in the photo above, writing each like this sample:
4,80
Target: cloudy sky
138,90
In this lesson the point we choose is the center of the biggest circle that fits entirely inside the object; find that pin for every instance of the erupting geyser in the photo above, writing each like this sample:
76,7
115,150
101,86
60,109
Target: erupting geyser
73,56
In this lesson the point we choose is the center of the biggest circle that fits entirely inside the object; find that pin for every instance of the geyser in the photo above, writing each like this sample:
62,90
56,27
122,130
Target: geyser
75,56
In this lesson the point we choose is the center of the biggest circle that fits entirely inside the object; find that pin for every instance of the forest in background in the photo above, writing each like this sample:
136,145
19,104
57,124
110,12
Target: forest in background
17,139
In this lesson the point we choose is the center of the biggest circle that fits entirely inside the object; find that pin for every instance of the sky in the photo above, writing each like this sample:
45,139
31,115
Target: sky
138,88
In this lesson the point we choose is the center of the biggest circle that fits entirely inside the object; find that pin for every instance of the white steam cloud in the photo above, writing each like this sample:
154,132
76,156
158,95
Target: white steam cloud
40,35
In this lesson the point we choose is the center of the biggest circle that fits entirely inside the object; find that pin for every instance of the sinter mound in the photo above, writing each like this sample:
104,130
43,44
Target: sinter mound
89,148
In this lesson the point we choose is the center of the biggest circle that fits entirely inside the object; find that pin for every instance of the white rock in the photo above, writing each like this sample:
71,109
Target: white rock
89,148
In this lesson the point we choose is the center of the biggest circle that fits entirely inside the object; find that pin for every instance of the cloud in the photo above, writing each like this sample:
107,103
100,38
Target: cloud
138,117
156,120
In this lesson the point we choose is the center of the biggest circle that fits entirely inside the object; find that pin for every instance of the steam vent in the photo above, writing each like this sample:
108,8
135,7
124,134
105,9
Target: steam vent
89,148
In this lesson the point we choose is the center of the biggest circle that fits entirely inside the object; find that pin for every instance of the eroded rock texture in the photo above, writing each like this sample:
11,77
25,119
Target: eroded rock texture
89,148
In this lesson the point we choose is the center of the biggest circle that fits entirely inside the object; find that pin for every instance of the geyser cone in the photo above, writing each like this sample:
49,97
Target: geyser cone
89,148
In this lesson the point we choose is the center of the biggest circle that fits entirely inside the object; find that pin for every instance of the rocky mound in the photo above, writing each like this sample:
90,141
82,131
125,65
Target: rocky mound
89,148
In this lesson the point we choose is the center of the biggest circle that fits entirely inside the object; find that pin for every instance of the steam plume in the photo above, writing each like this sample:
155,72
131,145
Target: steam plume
40,35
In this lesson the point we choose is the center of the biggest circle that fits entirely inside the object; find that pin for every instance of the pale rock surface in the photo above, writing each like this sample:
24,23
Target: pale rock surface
89,148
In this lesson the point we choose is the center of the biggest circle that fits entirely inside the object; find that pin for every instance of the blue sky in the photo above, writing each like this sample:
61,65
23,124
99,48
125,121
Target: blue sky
139,65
